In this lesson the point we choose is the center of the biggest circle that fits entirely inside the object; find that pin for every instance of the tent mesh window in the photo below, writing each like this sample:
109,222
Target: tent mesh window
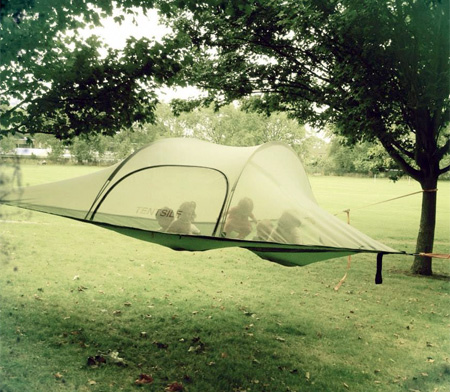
173,199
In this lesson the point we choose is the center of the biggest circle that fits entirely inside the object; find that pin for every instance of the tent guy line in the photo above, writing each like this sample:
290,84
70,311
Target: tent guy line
347,210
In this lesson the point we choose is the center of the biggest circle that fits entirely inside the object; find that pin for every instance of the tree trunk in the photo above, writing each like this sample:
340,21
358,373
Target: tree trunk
422,265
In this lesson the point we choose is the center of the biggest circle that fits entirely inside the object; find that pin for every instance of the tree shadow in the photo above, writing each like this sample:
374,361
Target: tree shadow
440,277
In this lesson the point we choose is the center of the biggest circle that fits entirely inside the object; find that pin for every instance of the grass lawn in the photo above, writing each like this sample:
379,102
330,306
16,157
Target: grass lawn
85,309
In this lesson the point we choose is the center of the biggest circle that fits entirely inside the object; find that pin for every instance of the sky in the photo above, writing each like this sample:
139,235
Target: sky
148,26
116,35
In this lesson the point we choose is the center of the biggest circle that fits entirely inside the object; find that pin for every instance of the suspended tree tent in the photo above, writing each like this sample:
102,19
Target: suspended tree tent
188,194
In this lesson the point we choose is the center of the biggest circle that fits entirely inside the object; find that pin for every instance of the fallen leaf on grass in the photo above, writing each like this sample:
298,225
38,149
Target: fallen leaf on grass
58,375
161,345
92,382
96,361
174,387
197,345
114,357
144,379
196,349
280,339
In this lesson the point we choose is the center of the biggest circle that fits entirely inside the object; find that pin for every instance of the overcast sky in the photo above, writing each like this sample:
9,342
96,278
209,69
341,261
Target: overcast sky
115,36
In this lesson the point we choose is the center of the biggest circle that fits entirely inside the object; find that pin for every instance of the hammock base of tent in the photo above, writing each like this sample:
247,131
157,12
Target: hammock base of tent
285,254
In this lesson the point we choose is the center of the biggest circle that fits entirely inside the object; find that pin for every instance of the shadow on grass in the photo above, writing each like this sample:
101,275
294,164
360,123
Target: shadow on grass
408,273
208,350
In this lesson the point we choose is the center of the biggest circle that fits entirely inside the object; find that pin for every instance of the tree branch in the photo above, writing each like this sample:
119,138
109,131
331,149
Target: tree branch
445,149
396,156
398,145
17,106
444,170
262,42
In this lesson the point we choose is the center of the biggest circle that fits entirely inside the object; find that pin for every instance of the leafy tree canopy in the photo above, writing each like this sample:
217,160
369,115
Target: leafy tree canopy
378,71
53,81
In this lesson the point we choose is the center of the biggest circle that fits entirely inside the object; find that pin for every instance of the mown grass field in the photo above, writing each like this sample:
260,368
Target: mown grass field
221,320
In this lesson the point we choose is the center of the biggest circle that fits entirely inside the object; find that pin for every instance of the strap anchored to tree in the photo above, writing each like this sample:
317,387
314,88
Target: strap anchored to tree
347,211
434,255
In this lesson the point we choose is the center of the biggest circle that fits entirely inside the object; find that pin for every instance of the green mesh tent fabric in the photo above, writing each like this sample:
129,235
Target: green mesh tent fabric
188,194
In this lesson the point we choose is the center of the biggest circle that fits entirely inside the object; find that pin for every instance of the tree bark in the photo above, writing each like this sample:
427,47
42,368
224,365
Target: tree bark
422,265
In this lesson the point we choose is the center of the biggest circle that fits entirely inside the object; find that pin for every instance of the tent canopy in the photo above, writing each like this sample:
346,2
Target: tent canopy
190,194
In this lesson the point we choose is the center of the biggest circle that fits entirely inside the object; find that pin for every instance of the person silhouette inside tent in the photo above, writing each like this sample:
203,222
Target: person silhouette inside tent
164,216
263,230
185,218
311,233
287,230
238,219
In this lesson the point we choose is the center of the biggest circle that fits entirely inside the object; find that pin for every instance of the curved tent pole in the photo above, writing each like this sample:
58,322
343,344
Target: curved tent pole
153,167
107,182
222,218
